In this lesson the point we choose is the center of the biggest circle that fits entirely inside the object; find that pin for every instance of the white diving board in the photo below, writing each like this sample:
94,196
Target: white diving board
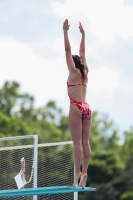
43,191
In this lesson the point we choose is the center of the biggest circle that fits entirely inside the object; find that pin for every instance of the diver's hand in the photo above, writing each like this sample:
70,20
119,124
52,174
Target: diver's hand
81,28
66,26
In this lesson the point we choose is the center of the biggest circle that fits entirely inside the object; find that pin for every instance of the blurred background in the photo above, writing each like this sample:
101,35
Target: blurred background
33,75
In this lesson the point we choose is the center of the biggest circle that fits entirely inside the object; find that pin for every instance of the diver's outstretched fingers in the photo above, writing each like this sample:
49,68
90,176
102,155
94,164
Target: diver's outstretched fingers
81,28
66,25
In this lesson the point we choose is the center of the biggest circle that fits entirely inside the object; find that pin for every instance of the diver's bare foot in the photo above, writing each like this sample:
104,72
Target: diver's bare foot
76,179
83,180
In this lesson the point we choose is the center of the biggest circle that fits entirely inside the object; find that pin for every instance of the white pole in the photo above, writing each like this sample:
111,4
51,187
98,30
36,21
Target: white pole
35,164
75,195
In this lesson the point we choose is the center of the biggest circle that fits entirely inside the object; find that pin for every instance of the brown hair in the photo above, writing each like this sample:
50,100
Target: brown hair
79,65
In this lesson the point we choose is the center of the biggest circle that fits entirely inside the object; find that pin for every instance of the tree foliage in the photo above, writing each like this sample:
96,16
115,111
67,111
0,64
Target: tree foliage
127,195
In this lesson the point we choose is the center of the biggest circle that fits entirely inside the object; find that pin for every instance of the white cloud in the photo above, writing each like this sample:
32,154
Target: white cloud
103,79
106,19
59,46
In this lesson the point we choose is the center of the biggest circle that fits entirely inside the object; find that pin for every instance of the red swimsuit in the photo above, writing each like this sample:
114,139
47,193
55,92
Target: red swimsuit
82,106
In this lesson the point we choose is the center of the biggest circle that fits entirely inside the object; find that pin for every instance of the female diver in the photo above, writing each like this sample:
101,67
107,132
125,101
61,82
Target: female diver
79,119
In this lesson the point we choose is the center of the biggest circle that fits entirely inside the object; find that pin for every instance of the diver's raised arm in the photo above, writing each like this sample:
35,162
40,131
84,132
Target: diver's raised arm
82,46
69,60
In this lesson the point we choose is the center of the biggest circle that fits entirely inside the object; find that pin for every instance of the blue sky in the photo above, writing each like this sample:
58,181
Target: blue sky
32,51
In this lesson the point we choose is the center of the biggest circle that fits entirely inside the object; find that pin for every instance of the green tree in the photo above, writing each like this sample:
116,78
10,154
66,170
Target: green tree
127,196
127,150
18,116
104,166
104,133
121,183
8,97
11,100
